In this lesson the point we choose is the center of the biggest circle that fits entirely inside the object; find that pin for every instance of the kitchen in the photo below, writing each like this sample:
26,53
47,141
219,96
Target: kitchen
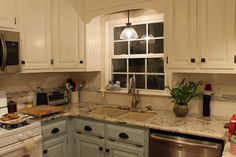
61,39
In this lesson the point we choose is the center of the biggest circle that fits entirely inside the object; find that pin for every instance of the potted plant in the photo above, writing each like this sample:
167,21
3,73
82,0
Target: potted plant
182,94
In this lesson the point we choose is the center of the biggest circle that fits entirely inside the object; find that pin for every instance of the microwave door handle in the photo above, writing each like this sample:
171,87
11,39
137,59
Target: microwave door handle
4,48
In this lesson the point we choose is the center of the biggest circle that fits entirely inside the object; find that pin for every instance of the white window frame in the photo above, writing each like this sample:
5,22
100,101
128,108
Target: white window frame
109,24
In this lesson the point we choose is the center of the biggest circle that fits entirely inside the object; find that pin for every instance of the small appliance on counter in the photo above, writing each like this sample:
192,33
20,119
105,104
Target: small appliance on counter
56,96
3,103
232,126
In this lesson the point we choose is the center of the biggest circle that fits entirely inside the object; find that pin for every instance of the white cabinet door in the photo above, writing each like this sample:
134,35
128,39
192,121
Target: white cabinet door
122,150
35,34
56,147
8,14
182,34
65,35
89,146
217,32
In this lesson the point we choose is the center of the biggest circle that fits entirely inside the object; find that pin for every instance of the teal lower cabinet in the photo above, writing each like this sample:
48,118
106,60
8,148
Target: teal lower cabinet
98,139
56,138
122,150
89,146
57,147
75,137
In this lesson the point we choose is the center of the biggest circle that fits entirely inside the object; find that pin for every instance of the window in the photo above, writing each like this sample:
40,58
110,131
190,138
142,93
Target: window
142,57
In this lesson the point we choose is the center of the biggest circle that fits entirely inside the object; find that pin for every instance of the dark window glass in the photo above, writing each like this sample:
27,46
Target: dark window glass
155,65
117,32
137,65
120,77
140,81
155,82
140,29
156,29
138,47
156,46
119,65
120,48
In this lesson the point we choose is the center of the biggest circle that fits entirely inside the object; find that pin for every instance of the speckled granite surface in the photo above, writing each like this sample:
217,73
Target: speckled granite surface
163,120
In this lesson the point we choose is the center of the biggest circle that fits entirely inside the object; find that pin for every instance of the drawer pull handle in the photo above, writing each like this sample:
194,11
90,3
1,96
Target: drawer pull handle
108,150
45,151
203,60
55,131
87,128
100,148
123,135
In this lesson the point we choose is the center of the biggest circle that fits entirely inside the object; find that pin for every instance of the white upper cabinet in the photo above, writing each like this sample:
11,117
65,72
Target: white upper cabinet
217,33
182,33
65,35
34,32
8,14
201,34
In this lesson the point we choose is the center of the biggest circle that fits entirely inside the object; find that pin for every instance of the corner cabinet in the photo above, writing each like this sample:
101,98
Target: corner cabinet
8,14
200,34
55,138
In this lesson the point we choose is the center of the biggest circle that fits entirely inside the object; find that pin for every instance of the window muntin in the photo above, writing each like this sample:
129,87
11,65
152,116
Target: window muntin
142,57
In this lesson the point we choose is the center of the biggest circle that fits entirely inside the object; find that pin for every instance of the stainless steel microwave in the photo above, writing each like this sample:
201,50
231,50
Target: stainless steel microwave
9,52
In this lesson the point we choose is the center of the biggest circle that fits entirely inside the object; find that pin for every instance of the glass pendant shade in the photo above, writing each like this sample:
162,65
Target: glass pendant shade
128,32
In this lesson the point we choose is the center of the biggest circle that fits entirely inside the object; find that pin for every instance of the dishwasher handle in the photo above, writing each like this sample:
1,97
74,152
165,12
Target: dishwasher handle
190,144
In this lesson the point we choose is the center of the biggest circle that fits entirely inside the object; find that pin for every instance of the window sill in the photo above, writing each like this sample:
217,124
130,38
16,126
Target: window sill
141,92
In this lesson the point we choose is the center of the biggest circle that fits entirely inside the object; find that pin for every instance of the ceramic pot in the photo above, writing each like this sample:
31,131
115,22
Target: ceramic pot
180,110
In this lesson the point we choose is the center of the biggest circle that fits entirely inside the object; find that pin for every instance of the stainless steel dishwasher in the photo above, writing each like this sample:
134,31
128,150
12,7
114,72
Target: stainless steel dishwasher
165,144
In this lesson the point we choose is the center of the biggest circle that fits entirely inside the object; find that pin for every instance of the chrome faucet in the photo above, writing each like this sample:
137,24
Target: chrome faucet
134,93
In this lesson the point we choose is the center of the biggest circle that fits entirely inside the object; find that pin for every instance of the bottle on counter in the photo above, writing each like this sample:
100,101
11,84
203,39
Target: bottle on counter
207,100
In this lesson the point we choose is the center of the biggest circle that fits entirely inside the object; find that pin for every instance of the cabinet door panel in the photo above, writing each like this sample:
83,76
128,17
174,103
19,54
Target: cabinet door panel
34,17
182,33
65,34
89,146
8,13
122,150
217,21
57,147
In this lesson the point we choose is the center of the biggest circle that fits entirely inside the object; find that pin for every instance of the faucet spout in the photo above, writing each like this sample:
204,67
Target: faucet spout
134,93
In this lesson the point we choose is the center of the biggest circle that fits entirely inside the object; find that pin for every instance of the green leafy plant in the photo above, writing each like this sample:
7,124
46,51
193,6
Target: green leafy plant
184,92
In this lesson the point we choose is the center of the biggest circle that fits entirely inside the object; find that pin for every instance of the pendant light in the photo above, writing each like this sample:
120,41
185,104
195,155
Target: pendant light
128,32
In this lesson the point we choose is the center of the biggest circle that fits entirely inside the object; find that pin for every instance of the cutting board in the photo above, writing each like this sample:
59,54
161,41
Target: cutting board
42,110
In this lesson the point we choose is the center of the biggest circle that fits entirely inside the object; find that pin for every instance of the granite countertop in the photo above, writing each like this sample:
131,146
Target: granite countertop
193,124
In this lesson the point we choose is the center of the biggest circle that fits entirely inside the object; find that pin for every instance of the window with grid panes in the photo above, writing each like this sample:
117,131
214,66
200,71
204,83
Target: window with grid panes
142,57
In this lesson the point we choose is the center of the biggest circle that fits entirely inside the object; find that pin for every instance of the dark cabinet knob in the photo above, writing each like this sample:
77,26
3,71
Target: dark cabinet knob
108,150
203,60
193,60
100,148
23,62
45,151
55,130
81,62
87,128
123,135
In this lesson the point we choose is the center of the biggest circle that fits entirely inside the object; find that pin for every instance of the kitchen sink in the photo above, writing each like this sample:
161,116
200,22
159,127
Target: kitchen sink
137,116
110,112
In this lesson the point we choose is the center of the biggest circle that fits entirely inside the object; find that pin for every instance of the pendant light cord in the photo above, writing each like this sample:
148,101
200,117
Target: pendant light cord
128,16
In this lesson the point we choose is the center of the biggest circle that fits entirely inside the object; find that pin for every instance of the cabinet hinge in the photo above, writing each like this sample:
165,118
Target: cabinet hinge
15,20
67,141
166,60
74,141
51,61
